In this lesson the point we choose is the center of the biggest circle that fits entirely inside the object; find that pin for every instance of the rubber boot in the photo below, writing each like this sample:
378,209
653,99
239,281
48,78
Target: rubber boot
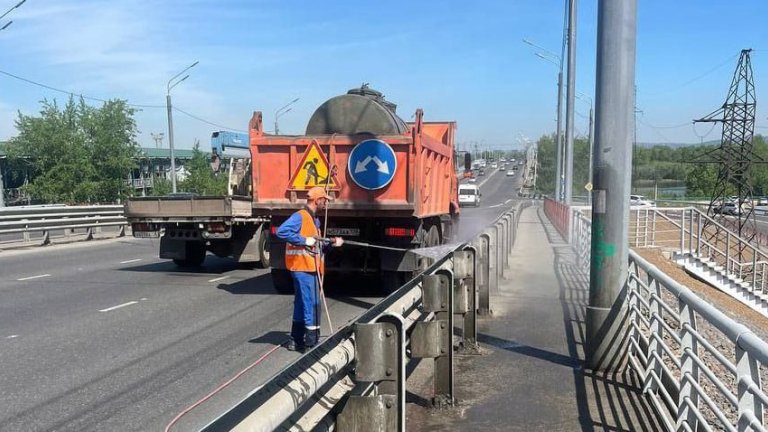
297,337
312,337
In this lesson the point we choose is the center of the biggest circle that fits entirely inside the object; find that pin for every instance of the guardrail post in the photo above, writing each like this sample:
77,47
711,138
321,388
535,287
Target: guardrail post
435,339
89,233
493,258
483,273
688,400
655,339
499,250
380,360
464,266
46,238
747,373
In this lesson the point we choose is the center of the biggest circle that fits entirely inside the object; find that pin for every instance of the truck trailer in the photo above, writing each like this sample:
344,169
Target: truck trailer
393,183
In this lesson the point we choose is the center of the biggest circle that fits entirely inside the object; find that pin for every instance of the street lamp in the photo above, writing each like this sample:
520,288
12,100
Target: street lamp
2,184
282,111
585,98
169,105
557,61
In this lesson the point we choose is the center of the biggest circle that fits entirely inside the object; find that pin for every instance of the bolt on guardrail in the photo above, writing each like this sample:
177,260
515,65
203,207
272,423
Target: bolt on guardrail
355,380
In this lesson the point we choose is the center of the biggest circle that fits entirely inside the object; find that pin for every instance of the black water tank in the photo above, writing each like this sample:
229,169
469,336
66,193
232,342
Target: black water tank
361,110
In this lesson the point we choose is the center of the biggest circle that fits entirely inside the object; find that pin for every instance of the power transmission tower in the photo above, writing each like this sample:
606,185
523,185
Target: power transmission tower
734,156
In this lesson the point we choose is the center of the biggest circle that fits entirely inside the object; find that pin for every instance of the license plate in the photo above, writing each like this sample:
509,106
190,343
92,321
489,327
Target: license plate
349,232
146,234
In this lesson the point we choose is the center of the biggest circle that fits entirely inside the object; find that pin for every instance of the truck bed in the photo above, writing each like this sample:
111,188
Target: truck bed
189,208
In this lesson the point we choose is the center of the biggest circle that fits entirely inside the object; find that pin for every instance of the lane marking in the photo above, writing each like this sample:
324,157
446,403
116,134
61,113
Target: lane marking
109,309
219,278
33,277
12,337
130,261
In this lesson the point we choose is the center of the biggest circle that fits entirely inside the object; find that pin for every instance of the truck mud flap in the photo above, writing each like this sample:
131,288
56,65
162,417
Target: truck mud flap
172,248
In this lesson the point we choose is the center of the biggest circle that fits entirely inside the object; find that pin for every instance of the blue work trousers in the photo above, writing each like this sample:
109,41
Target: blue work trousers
306,303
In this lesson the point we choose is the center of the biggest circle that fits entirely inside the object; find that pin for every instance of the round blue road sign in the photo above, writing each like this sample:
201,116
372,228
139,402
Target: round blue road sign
372,164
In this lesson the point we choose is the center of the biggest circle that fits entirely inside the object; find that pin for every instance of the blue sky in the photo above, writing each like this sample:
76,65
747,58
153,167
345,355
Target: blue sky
458,60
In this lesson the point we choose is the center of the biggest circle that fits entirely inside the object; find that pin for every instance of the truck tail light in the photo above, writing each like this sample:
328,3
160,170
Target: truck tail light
399,232
216,227
273,229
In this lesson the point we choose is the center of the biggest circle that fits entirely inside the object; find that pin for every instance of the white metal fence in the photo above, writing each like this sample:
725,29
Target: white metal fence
701,369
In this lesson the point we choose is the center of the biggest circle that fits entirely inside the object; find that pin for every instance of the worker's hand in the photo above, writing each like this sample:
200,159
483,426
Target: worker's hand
338,241
310,241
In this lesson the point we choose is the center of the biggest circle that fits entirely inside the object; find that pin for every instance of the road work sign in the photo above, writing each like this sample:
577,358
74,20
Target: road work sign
313,170
372,164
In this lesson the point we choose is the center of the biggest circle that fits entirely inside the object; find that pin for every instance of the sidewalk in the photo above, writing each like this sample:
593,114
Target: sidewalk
530,376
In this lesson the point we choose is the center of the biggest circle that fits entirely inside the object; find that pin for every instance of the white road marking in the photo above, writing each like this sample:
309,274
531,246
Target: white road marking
12,337
109,309
130,261
143,299
33,277
219,278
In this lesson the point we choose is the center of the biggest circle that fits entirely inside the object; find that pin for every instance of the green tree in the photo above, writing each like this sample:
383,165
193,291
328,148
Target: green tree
161,186
201,178
77,153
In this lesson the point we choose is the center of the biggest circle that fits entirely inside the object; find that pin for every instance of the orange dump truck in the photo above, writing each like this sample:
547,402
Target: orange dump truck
393,183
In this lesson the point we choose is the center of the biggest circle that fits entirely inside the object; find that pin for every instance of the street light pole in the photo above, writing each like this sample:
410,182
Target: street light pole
571,89
2,183
614,97
169,106
551,57
282,111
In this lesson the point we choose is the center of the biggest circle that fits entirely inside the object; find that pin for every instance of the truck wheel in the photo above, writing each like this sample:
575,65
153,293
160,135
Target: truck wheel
282,281
263,245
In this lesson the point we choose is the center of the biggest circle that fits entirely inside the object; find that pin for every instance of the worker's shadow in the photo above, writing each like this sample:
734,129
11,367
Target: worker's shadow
260,285
271,338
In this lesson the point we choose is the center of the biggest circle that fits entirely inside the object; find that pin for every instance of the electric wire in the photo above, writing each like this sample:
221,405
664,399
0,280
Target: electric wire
692,80
97,99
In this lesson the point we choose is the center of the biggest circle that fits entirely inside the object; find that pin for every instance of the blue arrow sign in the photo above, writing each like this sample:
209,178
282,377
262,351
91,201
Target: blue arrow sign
372,164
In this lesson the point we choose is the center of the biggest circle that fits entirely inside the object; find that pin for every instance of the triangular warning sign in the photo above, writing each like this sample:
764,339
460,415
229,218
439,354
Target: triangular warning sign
312,170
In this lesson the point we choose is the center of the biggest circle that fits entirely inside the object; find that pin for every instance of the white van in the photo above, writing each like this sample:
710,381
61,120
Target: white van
469,194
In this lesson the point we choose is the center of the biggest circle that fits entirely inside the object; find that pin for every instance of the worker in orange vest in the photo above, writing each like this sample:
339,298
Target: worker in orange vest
304,259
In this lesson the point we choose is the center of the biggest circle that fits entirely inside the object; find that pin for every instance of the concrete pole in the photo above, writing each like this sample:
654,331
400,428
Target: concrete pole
570,100
170,140
559,147
616,44
591,144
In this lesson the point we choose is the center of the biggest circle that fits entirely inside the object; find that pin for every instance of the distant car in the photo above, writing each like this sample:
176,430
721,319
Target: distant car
481,172
726,208
640,201
469,195
510,173
473,180
503,168
494,165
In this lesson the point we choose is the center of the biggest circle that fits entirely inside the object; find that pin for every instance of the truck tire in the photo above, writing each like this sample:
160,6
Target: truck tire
263,246
282,281
195,255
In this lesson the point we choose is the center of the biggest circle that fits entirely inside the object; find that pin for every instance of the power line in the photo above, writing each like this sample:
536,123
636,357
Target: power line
208,122
46,86
96,99
692,80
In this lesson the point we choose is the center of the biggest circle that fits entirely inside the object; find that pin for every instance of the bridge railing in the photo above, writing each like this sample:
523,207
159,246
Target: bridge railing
701,369
23,221
356,379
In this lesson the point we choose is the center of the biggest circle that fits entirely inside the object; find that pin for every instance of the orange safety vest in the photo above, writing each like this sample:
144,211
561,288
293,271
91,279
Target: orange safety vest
300,257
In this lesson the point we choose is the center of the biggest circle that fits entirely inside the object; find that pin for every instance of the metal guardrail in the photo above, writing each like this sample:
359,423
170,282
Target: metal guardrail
356,379
701,369
46,219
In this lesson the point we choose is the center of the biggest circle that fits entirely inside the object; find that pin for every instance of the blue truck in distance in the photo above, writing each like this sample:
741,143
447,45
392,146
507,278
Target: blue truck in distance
222,140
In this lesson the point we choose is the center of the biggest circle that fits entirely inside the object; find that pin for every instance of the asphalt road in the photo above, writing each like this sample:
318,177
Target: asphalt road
106,336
